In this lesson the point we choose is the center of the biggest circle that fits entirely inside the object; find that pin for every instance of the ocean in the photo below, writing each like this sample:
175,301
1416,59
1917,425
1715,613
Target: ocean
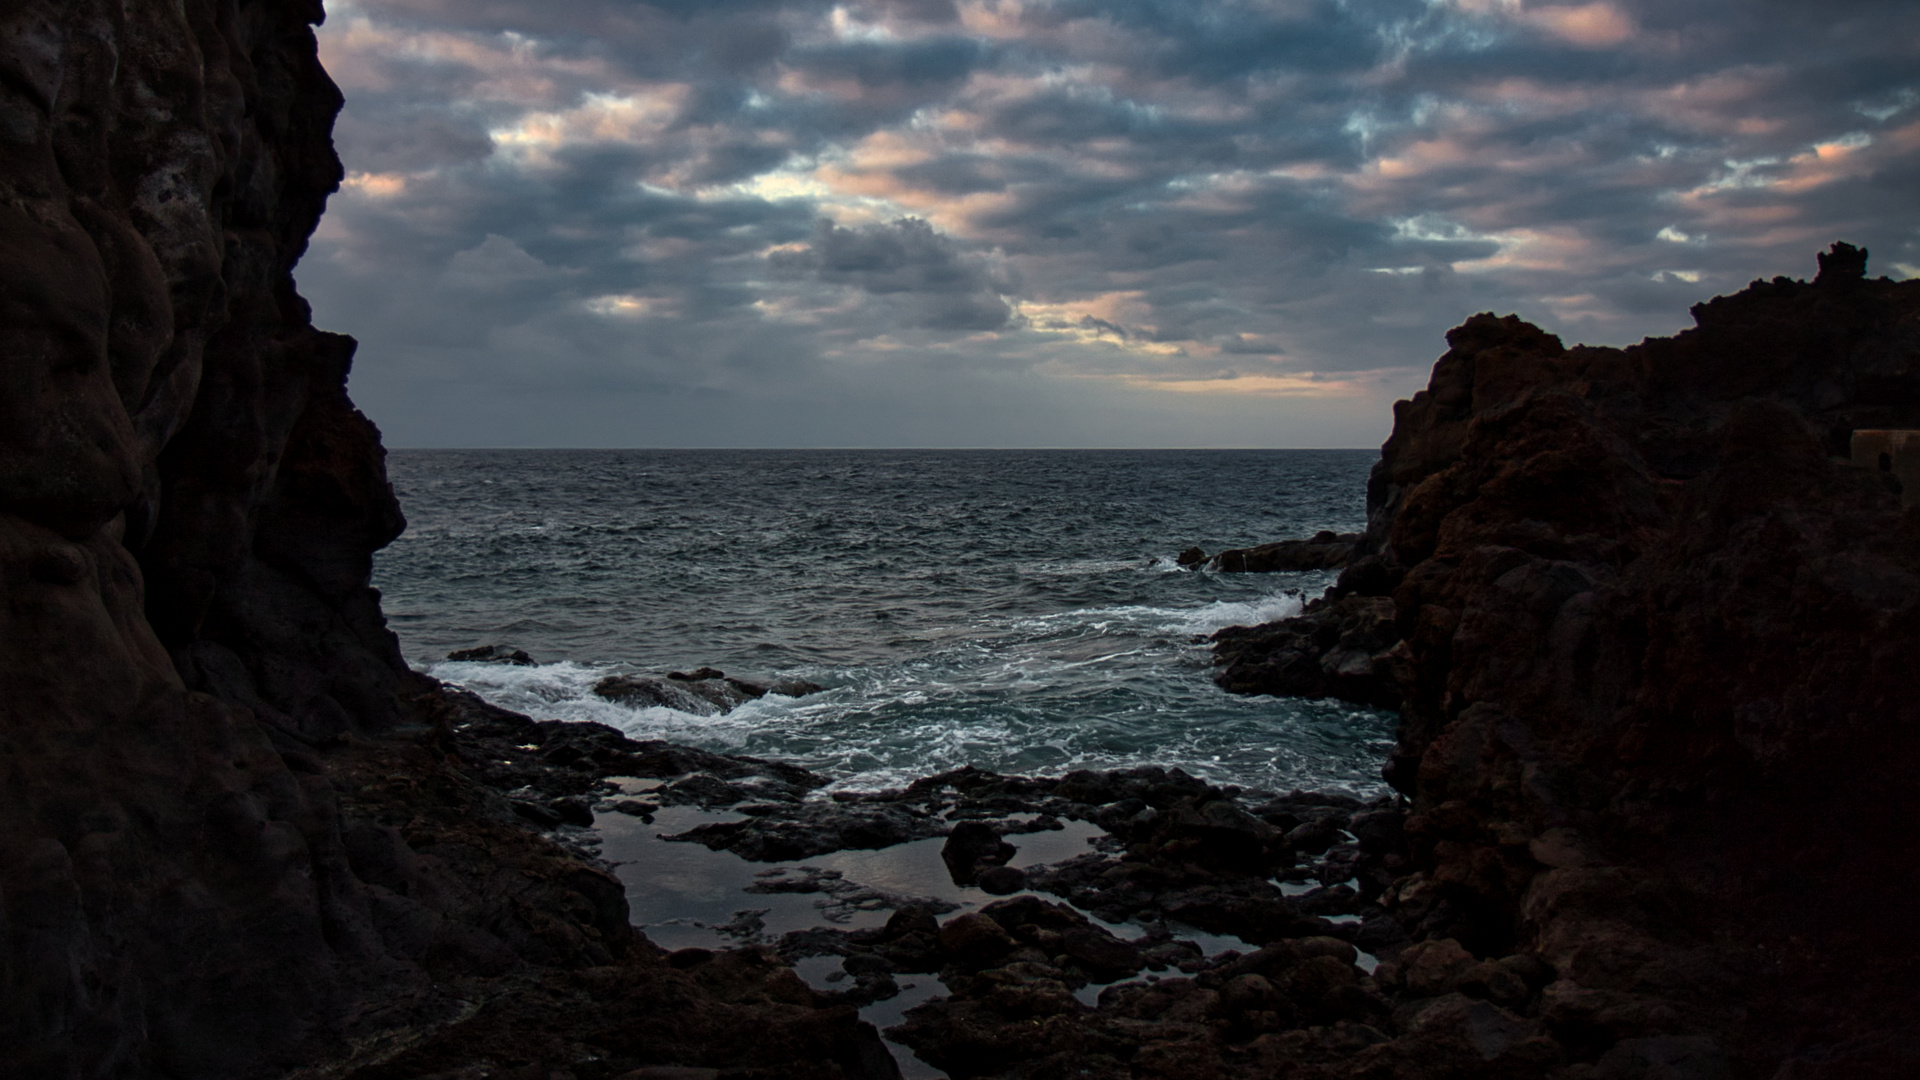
1017,610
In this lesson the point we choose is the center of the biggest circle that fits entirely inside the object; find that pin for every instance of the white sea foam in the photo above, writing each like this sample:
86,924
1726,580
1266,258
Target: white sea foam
1173,620
564,691
993,698
1225,613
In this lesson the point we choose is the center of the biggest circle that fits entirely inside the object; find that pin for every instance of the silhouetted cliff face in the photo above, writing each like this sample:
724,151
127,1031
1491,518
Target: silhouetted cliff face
1656,661
235,832
188,509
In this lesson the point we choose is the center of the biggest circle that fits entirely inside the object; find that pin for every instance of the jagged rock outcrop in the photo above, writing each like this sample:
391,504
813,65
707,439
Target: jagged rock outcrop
1655,635
234,835
1324,550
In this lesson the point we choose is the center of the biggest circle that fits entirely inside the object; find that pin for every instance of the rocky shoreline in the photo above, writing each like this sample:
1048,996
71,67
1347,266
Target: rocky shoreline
1649,630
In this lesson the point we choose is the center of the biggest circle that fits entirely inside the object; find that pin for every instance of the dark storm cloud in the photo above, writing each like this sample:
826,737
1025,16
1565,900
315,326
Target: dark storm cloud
1225,221
946,289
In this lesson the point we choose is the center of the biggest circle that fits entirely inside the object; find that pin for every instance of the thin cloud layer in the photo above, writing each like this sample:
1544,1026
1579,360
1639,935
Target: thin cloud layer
1060,222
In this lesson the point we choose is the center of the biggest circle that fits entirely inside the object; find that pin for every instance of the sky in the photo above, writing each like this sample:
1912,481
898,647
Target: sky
1124,223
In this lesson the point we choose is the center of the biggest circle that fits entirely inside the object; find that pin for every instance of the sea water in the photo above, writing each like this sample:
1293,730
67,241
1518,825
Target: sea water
1021,611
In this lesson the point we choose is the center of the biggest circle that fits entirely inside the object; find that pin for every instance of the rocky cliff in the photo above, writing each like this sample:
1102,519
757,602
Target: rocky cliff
1652,636
235,835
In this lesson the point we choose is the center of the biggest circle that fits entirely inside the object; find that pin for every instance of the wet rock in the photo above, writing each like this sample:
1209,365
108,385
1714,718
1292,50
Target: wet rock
700,789
654,758
493,654
1477,1033
1433,967
573,811
703,691
1212,833
974,940
1323,551
1495,982
972,847
1003,880
542,816
636,691
1338,900
1315,837
726,694
1668,1057
1379,831
1191,557
806,829
1092,788
1348,648
1099,953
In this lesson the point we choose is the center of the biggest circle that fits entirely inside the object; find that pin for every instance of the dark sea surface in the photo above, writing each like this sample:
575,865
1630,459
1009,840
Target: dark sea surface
1016,610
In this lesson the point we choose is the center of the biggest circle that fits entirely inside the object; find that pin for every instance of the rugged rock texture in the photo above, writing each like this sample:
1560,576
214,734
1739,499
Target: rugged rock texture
1654,663
235,833
703,691
1346,648
1322,551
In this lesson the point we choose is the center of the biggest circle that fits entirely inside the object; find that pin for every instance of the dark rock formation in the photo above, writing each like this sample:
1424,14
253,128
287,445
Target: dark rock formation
972,847
1348,648
1323,551
493,654
237,834
703,691
1654,632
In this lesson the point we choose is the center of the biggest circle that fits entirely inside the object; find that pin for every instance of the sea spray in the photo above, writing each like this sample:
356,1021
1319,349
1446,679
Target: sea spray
1019,611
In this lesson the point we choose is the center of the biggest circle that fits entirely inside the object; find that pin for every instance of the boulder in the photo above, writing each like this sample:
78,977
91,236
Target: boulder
638,691
971,847
492,654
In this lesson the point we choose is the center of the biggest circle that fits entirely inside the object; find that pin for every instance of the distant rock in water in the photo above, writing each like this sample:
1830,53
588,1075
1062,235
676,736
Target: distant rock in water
639,691
493,654
1324,551
703,691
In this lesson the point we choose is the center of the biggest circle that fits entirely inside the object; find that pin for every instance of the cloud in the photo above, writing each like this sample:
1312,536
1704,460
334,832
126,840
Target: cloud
1209,222
942,288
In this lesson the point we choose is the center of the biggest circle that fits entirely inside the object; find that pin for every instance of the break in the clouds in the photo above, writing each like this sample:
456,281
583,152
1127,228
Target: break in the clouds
1063,222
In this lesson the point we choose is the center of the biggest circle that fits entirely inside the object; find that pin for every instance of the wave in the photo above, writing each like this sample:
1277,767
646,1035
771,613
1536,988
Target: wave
1143,618
564,691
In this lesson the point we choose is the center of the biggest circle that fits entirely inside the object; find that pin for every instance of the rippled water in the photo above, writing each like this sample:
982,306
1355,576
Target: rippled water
1017,610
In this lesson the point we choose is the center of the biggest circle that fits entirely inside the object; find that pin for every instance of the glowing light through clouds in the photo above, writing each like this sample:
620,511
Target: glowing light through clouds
1062,222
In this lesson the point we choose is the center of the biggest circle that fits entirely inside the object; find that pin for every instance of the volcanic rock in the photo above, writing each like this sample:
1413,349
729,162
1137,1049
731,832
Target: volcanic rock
493,654
703,691
1324,551
1648,623
239,836
971,847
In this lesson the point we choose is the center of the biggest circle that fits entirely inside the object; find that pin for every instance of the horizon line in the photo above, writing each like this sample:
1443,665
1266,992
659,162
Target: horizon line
896,449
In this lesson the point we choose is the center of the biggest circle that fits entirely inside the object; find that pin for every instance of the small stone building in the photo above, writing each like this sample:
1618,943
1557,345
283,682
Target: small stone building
1892,451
